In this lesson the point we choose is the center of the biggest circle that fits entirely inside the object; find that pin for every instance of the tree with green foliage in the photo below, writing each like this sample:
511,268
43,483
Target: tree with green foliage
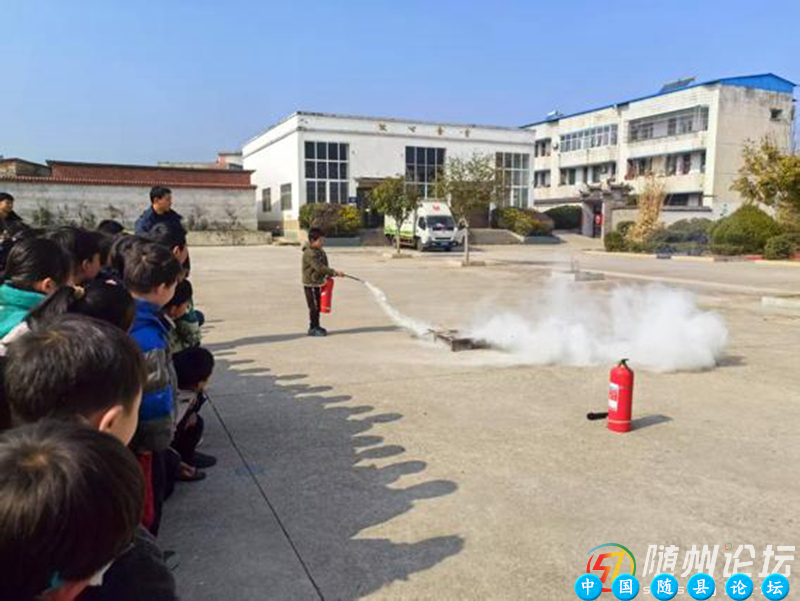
745,231
469,185
393,197
771,177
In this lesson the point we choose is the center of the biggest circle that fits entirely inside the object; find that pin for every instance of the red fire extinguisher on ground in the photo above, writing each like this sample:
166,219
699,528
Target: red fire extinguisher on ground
620,398
326,296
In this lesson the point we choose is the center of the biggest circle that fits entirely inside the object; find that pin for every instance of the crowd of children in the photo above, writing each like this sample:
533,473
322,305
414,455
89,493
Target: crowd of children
103,381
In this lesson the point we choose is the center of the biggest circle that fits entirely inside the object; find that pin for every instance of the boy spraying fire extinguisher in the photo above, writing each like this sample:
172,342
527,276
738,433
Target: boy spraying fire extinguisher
316,274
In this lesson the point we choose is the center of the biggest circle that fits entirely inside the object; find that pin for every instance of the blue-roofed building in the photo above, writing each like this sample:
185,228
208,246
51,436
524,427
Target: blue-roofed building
689,135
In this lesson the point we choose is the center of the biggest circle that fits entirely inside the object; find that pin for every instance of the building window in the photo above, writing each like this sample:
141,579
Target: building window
602,172
703,161
639,167
423,166
542,148
266,200
327,171
669,124
676,200
541,179
514,171
775,114
672,164
568,177
594,137
686,164
286,197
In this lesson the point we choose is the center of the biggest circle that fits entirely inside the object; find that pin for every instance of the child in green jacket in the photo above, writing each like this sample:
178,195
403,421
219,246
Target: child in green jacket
315,272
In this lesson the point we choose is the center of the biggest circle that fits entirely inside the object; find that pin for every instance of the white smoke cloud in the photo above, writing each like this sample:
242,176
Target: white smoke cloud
658,328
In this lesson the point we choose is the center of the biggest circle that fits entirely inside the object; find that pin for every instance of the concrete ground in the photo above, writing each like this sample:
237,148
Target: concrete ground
372,464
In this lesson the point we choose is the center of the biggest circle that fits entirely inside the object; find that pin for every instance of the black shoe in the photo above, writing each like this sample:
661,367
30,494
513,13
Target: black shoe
195,476
172,560
203,461
323,330
317,332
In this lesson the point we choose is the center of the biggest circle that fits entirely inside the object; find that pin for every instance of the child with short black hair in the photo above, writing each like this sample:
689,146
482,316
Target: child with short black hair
110,227
171,235
76,367
193,367
116,257
70,503
83,249
315,272
106,301
185,332
35,268
151,275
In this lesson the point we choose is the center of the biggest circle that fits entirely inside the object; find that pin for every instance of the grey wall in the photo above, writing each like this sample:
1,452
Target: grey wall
214,205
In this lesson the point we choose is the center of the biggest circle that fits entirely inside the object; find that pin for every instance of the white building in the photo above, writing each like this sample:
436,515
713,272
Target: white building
689,134
315,157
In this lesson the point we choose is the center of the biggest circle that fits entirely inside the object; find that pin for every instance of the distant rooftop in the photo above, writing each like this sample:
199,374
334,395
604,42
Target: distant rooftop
763,81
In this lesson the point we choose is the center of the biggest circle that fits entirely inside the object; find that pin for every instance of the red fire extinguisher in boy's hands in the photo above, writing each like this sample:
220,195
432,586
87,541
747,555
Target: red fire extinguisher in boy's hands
326,296
620,398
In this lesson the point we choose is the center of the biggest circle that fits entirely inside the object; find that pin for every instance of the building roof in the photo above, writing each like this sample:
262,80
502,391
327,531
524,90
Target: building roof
383,120
763,81
80,173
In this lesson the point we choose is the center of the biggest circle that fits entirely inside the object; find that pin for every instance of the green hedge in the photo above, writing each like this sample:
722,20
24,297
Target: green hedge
689,230
614,242
747,230
566,217
524,222
337,221
782,247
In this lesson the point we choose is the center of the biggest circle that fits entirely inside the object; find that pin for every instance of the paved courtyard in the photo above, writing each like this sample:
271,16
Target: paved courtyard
373,464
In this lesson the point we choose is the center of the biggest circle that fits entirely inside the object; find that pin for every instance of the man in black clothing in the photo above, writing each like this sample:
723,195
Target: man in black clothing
160,211
7,214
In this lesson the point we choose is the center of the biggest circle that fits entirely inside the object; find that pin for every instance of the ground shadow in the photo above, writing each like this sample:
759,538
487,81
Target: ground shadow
289,336
649,420
329,473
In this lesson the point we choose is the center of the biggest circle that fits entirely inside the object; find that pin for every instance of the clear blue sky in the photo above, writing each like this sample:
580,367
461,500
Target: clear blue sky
135,81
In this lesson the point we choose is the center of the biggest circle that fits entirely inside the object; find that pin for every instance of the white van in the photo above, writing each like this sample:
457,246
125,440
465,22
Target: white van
430,226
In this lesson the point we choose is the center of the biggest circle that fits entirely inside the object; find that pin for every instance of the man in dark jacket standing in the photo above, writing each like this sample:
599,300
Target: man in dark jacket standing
7,214
315,272
160,211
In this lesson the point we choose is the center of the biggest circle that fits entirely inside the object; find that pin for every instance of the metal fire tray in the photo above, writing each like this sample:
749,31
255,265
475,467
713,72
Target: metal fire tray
458,341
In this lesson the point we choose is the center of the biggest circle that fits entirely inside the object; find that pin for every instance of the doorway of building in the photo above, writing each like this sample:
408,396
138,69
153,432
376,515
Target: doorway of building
592,225
370,219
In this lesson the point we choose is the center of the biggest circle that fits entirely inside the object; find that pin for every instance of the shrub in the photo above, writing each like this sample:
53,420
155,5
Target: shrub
524,222
689,230
748,228
624,227
781,247
614,242
728,250
349,221
567,217
337,221
541,228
